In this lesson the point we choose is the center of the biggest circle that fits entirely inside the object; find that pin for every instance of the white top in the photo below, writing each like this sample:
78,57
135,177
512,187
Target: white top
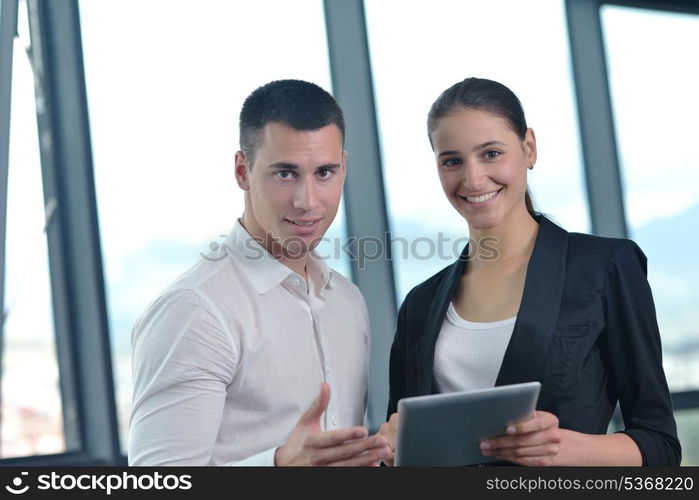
226,360
468,355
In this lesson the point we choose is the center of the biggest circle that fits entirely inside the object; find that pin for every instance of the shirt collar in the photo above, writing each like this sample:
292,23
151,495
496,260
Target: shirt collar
263,270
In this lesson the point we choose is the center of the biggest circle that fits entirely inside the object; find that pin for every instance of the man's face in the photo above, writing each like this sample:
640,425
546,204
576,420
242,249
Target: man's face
293,189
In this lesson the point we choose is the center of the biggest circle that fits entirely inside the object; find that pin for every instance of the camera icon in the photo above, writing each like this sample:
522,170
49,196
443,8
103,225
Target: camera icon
17,482
216,251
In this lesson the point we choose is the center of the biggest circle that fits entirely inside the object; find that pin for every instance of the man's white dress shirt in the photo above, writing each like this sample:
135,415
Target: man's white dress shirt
229,356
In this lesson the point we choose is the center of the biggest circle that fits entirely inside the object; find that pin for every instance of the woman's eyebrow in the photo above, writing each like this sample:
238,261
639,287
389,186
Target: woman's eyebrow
445,153
488,143
475,148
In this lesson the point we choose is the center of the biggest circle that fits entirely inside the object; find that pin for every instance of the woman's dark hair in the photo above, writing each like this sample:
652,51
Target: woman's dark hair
488,95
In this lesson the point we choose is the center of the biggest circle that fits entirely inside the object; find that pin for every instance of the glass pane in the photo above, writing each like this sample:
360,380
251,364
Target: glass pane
655,100
688,430
32,419
434,45
164,98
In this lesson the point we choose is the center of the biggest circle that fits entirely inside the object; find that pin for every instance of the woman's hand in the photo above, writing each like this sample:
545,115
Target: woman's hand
389,431
533,442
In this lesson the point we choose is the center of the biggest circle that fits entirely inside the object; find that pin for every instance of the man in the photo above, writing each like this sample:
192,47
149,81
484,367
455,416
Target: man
226,361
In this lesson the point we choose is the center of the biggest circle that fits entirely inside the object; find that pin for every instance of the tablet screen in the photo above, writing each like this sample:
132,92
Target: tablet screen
446,429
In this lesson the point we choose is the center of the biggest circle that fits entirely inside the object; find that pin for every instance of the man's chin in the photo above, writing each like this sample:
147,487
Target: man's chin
298,247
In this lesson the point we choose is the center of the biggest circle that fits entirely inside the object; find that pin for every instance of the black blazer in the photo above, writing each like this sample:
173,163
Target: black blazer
586,329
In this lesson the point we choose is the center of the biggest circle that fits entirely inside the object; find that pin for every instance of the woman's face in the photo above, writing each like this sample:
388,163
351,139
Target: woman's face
482,164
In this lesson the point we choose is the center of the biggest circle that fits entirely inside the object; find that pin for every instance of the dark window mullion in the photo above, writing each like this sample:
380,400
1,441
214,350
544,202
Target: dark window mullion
72,230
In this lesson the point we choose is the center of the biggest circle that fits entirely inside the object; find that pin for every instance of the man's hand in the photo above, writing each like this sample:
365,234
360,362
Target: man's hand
389,431
534,442
309,445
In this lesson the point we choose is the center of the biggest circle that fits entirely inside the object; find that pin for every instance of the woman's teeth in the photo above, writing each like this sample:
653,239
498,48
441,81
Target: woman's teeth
481,198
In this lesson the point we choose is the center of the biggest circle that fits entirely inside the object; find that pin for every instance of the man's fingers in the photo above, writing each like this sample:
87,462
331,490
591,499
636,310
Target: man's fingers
318,406
389,434
350,450
330,439
370,458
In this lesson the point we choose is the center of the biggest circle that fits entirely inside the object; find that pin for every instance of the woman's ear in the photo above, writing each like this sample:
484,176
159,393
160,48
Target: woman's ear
530,147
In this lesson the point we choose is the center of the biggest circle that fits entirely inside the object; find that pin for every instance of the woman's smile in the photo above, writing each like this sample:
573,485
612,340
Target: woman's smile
480,200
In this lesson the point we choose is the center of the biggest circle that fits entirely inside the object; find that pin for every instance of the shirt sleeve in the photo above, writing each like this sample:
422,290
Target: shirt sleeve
397,363
183,360
635,358
263,459
367,337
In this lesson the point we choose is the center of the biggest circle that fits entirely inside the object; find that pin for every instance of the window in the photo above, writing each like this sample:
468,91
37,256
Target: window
687,425
32,416
164,99
655,114
435,45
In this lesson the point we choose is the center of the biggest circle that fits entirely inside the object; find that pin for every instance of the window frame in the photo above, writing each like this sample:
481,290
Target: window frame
598,135
75,262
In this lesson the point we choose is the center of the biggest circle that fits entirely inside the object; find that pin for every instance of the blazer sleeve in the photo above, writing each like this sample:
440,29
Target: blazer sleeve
398,363
635,358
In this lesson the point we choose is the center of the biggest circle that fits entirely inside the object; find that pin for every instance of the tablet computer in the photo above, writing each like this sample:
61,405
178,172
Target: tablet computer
446,429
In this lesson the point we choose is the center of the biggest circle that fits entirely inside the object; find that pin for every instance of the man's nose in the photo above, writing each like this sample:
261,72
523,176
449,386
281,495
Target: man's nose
306,195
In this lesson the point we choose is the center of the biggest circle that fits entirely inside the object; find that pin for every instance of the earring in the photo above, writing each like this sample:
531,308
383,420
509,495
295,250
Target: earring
531,167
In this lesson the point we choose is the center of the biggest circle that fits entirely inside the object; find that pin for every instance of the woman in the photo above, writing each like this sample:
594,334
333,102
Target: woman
570,310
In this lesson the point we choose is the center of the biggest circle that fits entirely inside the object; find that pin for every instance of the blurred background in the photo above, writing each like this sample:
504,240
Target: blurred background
118,128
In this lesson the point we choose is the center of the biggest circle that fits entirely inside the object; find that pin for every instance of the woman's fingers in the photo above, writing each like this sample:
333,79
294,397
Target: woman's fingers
540,421
550,436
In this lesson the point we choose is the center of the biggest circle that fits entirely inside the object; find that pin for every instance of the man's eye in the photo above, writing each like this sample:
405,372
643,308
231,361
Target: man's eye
325,173
451,162
492,154
284,174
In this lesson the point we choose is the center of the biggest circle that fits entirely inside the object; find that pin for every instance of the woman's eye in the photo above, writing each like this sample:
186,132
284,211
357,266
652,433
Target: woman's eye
492,154
451,162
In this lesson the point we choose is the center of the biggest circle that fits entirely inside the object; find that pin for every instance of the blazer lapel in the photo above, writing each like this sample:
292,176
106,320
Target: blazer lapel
538,312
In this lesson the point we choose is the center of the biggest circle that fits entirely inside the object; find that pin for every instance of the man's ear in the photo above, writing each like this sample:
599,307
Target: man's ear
242,171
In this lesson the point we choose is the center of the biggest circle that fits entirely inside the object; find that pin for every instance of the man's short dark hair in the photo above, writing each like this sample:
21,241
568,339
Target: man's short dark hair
295,103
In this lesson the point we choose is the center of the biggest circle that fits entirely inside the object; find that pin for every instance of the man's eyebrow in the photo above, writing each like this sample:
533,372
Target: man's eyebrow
282,164
292,166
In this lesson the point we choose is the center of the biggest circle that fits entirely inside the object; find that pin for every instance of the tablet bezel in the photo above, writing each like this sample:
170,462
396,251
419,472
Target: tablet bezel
446,429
